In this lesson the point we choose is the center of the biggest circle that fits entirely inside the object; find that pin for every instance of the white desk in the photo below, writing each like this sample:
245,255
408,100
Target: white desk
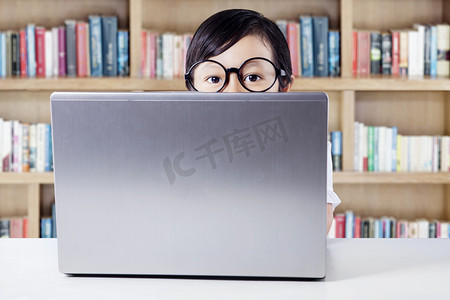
356,269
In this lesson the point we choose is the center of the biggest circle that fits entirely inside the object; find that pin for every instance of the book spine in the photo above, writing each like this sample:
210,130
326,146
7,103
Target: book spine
48,53
81,49
109,44
88,50
395,53
292,37
47,148
54,232
7,146
40,51
1,147
333,55
25,227
375,53
8,60
15,54
46,228
33,147
376,149
443,50
159,60
394,149
404,45
31,50
26,147
55,52
71,50
16,229
349,224
336,150
2,54
355,53
370,148
427,53
363,53
433,51
357,233
340,225
320,42
282,24
420,48
62,51
4,229
413,53
16,146
95,32
307,52
123,53
40,147
386,53
144,72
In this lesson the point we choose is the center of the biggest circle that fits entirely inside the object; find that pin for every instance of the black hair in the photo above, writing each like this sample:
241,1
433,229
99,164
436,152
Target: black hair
222,30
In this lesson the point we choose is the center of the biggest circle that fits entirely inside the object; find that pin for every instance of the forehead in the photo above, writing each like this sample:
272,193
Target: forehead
247,47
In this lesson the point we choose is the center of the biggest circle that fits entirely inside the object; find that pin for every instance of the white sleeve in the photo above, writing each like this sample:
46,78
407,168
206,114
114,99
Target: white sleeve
331,195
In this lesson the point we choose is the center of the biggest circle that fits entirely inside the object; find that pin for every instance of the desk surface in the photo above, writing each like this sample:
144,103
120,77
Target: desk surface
356,269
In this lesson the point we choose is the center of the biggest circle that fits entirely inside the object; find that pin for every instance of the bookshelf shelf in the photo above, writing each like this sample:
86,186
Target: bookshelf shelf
391,178
145,84
26,178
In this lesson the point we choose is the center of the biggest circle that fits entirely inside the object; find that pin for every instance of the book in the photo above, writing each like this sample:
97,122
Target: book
40,51
46,228
320,45
33,147
55,52
414,68
2,54
123,67
49,53
62,70
109,45
349,224
404,45
48,161
8,60
427,50
375,52
71,50
307,51
336,150
16,228
333,53
96,48
81,49
363,53
7,146
15,54
54,232
4,228
292,40
395,53
420,48
443,50
386,53
25,147
31,50
145,68
339,220
433,51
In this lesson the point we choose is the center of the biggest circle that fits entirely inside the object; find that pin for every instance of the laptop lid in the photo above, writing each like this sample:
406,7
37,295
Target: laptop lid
191,184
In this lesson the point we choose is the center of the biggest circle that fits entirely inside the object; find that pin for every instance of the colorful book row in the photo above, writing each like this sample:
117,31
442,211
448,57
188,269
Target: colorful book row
422,50
315,50
383,149
163,55
349,225
77,49
25,147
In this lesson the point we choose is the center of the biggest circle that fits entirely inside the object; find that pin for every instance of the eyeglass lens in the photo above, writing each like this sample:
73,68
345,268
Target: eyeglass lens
256,75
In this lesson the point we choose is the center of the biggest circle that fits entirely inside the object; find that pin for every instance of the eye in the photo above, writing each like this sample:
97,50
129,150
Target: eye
214,79
252,78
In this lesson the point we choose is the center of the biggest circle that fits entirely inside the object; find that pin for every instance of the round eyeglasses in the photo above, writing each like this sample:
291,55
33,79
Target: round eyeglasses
256,74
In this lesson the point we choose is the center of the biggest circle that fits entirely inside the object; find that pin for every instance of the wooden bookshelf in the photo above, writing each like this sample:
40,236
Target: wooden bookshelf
417,106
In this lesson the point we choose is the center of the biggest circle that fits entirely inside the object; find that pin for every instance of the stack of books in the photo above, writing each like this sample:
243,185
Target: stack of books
315,50
383,149
163,55
76,49
25,147
421,50
349,225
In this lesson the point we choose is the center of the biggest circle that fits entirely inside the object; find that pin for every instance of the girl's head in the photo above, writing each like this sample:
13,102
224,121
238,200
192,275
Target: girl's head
231,38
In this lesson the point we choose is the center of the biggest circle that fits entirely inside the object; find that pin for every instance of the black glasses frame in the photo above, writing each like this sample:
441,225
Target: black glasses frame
278,72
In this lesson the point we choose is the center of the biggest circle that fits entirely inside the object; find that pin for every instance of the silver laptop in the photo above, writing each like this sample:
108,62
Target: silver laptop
191,184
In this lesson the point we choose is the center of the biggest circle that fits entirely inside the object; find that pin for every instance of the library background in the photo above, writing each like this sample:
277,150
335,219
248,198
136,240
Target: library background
384,65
